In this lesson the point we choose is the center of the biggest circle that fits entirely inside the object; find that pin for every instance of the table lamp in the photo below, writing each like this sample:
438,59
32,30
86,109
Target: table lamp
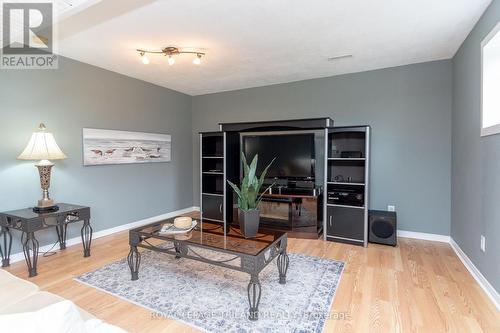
42,146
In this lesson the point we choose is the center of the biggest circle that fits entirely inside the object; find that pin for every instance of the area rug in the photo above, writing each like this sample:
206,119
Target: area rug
214,299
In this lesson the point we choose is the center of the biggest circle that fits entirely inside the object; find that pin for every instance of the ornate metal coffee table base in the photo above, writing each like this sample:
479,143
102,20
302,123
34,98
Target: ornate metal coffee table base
283,263
251,263
254,289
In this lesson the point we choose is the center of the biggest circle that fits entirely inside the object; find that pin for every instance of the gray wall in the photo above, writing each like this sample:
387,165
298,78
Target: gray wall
76,96
475,160
409,109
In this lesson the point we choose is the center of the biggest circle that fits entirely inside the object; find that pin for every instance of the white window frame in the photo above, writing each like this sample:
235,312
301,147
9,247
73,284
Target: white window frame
495,129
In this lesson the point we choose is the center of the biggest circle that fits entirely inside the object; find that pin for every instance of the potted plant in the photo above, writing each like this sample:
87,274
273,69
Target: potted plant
249,196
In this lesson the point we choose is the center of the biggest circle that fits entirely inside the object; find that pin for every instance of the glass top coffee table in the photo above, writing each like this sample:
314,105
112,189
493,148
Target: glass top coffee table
245,255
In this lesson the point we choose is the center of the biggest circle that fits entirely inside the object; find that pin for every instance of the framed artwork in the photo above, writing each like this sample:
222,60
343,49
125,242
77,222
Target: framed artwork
102,147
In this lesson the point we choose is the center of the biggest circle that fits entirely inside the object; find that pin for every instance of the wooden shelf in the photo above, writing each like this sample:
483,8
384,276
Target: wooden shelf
276,195
212,220
212,173
346,206
345,238
346,159
346,183
214,194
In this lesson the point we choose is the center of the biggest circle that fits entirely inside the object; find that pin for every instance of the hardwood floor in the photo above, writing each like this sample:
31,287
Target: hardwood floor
419,286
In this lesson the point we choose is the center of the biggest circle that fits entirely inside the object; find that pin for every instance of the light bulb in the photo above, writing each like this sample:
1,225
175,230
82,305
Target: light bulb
197,60
145,60
171,60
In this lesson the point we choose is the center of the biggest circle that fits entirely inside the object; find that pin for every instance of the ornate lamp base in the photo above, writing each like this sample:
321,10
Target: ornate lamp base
43,210
46,204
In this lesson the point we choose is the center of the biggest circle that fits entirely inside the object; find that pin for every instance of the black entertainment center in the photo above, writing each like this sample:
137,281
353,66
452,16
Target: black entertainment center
302,175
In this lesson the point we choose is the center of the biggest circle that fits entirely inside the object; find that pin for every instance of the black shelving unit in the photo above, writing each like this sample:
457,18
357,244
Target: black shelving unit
218,163
347,220
212,166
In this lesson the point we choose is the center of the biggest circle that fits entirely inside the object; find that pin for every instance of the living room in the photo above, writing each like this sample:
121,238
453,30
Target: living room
237,166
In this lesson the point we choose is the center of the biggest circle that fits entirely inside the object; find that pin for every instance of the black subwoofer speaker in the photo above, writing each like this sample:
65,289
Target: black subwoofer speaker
382,227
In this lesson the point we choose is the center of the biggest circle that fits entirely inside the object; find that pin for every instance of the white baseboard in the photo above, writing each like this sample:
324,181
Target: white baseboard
77,240
424,236
476,274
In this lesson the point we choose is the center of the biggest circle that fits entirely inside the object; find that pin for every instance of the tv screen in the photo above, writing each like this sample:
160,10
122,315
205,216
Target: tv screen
294,154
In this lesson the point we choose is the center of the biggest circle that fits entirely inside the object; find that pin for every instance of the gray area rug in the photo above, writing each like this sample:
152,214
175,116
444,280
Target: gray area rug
214,299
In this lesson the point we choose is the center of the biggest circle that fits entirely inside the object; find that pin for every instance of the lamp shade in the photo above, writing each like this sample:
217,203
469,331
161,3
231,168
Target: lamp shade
42,146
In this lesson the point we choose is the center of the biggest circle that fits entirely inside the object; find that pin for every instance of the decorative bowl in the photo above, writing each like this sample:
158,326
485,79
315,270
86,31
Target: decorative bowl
183,222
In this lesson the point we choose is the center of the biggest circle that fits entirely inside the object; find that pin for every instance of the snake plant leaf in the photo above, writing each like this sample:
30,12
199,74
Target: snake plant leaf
254,183
245,165
262,194
263,175
244,187
236,190
244,205
252,199
253,168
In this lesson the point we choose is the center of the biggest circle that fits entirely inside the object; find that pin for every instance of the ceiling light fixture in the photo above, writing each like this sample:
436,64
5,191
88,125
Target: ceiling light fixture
170,51
197,60
171,60
144,59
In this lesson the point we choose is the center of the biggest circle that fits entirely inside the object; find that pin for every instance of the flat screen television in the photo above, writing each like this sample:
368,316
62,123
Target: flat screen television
294,154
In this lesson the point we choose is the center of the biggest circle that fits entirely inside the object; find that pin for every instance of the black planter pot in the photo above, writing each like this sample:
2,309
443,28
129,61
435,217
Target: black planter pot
249,222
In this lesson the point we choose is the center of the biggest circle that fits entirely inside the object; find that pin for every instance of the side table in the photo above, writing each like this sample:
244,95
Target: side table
28,222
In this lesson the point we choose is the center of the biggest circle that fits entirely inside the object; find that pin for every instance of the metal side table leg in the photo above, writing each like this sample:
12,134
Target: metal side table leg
5,245
30,249
61,235
86,237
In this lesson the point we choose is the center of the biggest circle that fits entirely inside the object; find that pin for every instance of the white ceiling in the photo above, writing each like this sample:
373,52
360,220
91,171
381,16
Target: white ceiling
61,9
256,43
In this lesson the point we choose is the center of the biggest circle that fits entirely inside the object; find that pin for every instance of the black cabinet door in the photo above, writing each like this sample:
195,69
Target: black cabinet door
329,221
346,222
213,207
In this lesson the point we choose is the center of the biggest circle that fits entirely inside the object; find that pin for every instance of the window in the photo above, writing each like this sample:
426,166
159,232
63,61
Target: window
490,86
